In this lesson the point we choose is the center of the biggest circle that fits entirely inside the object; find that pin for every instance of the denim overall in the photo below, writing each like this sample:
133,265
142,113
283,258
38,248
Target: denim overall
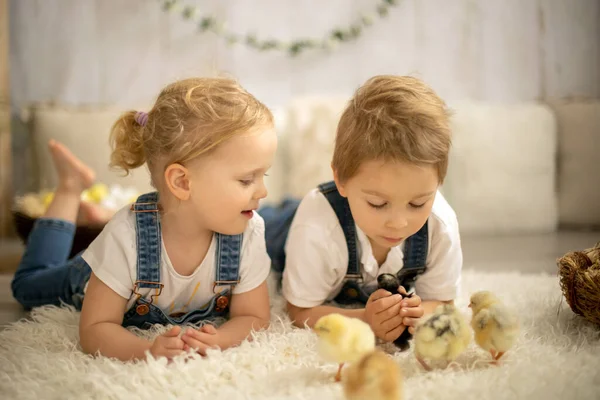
415,252
144,313
277,224
46,276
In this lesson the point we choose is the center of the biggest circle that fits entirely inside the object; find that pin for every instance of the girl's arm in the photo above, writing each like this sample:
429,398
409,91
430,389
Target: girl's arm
248,311
100,327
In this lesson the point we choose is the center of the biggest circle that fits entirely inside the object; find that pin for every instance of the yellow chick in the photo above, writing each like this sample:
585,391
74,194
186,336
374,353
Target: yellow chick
374,377
444,335
47,198
96,193
496,327
343,339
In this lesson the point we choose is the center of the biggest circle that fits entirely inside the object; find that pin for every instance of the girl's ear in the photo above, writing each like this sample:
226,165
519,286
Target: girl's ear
177,178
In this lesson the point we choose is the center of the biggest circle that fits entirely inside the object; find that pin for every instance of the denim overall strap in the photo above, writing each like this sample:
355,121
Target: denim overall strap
415,257
227,269
148,241
228,259
342,211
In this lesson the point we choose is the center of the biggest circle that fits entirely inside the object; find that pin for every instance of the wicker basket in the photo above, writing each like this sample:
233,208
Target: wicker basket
84,235
579,273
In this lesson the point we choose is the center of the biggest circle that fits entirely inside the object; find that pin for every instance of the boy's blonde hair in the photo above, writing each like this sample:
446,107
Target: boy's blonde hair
393,118
190,118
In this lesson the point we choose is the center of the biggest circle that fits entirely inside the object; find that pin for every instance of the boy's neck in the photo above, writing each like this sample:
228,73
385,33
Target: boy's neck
380,253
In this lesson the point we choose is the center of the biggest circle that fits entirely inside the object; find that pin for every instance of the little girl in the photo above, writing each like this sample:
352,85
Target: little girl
191,251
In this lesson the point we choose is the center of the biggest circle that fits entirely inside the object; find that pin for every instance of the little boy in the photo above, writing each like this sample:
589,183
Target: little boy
382,214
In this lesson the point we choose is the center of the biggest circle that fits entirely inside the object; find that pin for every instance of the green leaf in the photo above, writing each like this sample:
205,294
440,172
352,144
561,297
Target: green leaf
189,12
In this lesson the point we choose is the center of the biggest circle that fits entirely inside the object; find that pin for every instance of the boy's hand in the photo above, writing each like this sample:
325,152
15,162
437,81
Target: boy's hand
168,344
202,339
382,313
411,310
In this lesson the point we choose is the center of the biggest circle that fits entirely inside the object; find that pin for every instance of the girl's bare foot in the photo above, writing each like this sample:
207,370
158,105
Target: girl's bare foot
93,214
73,178
73,175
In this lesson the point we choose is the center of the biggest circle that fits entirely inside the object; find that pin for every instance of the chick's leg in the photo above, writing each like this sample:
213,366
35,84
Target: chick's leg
424,364
338,376
498,355
493,353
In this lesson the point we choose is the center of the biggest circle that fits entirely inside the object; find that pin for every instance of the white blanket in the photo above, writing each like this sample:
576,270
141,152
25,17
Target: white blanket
557,356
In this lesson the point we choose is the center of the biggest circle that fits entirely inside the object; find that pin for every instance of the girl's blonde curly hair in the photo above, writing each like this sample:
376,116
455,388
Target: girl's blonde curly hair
190,118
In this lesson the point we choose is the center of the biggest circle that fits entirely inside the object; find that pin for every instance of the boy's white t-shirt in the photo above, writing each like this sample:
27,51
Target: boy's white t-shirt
317,256
112,257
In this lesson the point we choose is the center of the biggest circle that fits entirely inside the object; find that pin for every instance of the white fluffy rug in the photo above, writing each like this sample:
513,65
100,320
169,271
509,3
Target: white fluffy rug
557,357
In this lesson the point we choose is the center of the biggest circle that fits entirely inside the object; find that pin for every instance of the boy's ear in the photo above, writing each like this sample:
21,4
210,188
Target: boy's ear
177,178
340,187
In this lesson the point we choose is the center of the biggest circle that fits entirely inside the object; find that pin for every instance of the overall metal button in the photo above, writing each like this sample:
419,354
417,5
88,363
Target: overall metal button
142,309
222,303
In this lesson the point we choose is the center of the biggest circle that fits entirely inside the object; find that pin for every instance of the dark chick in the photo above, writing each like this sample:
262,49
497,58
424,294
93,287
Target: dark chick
391,283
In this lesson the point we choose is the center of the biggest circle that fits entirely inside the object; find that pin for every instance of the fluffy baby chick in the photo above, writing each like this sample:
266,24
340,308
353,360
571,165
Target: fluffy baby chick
391,283
496,328
444,335
343,339
374,377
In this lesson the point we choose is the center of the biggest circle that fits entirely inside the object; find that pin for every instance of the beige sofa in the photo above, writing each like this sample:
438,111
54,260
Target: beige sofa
514,168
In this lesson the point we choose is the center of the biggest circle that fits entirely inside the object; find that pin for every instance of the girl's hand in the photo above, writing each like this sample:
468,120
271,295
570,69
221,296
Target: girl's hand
202,339
168,344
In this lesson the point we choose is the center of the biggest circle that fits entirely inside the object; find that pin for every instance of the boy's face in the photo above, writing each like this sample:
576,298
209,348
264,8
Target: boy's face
390,201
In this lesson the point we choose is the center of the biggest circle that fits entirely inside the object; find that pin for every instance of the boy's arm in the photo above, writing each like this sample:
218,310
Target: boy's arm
429,306
442,277
381,313
309,316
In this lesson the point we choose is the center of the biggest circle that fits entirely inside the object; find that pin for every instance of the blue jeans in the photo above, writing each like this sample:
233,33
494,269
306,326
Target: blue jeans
278,220
45,274
47,277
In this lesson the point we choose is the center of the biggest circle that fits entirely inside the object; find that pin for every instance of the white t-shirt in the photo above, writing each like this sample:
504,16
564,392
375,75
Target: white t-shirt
317,256
113,258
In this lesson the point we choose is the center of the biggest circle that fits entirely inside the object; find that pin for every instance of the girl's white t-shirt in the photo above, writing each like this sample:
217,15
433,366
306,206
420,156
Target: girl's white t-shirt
112,257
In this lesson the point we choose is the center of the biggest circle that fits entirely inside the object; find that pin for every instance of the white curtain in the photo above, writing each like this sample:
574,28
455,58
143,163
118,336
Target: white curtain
122,52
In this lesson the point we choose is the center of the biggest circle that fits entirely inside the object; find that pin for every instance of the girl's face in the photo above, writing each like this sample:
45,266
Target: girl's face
226,185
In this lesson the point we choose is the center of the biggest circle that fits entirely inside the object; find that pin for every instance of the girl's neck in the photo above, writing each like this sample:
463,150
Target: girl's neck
182,227
185,241
177,222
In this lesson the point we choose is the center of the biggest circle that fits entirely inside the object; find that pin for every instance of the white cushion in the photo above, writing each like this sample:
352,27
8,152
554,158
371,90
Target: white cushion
275,181
578,162
86,133
502,165
502,170
309,140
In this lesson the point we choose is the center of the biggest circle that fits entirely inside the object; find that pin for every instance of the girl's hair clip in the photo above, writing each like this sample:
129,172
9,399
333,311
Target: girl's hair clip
141,118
